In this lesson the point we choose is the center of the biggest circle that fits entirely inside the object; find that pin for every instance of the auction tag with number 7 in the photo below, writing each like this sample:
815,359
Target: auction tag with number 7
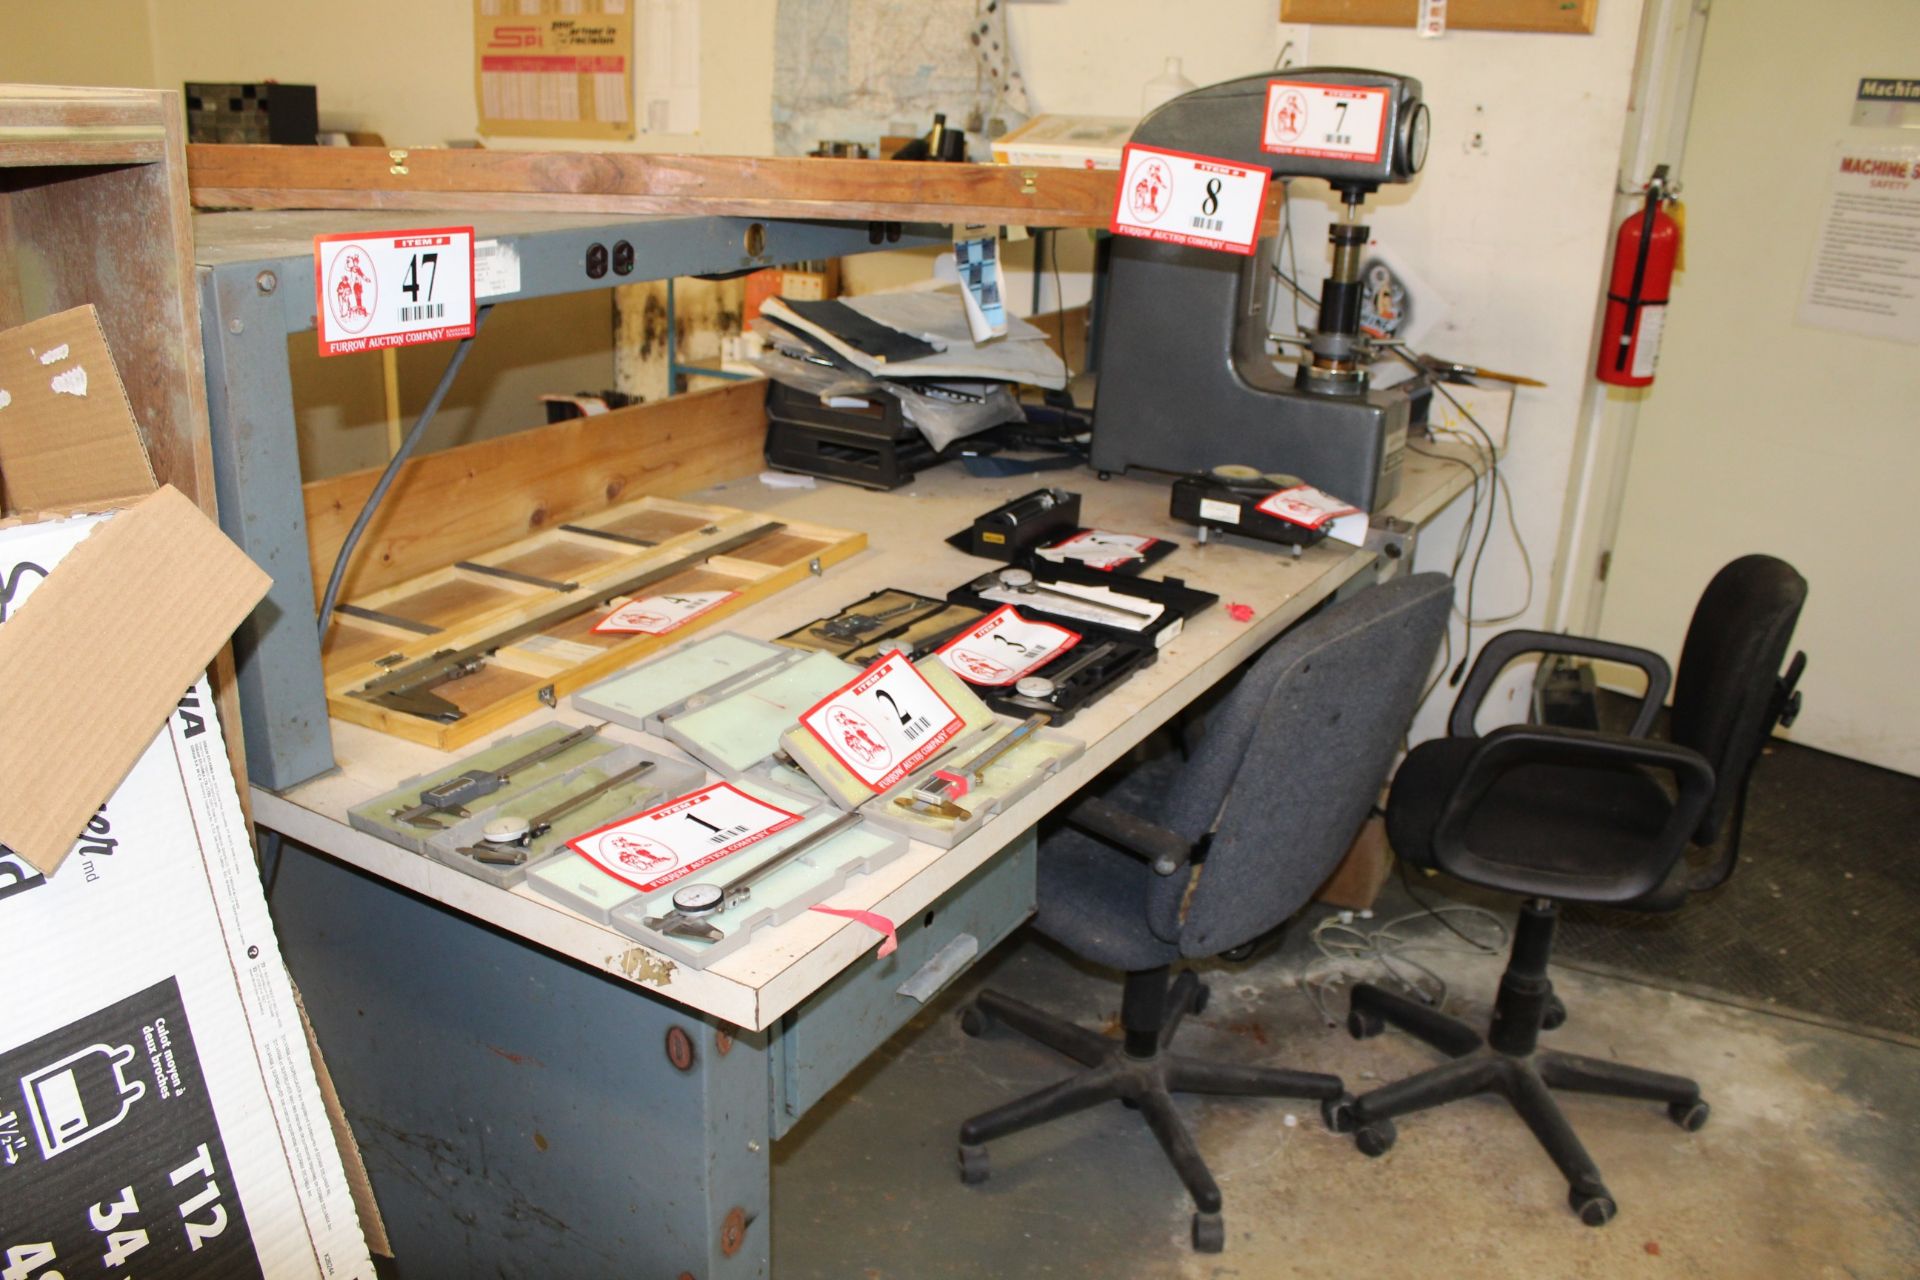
884,723
1179,198
392,288
654,848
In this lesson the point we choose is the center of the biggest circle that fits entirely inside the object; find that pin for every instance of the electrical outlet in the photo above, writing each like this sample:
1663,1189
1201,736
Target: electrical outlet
1476,141
1290,47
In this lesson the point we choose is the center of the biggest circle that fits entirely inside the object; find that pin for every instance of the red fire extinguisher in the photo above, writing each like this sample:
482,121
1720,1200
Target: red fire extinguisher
1644,254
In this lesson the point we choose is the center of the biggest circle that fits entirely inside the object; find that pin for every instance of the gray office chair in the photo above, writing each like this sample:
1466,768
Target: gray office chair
1194,859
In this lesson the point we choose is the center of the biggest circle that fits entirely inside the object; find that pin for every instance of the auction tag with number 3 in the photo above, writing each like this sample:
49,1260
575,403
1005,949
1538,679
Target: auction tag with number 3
1179,198
392,288
885,723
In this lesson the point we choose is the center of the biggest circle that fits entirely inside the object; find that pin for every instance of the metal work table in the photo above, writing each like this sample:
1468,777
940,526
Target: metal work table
539,1093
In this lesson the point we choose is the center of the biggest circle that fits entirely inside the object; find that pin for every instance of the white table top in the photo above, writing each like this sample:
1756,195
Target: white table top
780,967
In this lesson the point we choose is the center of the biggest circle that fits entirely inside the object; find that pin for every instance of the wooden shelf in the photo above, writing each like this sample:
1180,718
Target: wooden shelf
262,177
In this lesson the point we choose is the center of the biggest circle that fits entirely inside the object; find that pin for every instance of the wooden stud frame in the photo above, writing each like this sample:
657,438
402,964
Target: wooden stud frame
1560,17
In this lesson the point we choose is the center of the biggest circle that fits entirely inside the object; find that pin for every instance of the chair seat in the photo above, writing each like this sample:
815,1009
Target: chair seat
1591,823
1093,901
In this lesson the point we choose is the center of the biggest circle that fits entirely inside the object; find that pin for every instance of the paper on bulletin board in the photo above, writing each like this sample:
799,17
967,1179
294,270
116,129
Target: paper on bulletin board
548,74
1865,274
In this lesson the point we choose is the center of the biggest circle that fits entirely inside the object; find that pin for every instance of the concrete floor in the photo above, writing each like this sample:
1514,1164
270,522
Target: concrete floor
1808,1168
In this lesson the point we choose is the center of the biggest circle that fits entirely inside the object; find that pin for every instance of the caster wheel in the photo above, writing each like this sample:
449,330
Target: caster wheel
973,1164
974,1020
1375,1137
1201,995
1691,1116
1209,1233
1555,1015
1595,1208
1338,1113
1104,475
1361,1025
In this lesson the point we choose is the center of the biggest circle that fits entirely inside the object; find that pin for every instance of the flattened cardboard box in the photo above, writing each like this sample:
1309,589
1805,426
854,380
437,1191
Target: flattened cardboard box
136,612
159,1110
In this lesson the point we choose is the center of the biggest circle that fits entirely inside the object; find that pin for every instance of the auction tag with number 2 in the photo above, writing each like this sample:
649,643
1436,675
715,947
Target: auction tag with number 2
392,288
1179,198
884,723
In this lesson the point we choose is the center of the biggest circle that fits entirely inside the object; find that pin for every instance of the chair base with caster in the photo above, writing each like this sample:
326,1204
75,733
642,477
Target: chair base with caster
1139,1071
1508,1063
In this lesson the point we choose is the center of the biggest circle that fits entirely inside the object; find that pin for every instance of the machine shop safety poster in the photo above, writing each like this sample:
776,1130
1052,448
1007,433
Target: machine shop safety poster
1865,273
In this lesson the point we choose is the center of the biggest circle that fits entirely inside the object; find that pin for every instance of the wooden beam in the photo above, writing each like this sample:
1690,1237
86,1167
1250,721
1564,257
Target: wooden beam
1554,17
465,501
262,177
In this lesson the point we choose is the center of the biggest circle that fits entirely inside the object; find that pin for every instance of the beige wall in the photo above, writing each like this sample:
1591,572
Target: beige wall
1751,410
404,68
89,42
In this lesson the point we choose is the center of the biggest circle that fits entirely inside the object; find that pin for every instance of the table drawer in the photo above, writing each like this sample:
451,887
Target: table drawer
833,1030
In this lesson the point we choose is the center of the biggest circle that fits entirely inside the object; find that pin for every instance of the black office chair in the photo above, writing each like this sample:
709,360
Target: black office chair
1223,849
1580,816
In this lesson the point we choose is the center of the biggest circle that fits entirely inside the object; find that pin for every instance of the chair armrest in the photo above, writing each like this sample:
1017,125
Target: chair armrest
1508,645
1154,845
1513,746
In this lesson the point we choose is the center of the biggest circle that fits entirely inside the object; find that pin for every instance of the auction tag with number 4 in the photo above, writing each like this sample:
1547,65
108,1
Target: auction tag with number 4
1179,198
654,848
884,723
392,288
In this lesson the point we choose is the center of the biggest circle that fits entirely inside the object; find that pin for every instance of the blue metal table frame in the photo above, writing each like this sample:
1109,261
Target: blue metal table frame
256,288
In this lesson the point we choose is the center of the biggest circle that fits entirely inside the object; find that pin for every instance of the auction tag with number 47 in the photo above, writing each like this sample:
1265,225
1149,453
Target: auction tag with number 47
392,288
1179,198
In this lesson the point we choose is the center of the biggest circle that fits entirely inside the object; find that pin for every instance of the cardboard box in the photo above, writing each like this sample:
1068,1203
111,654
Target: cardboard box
160,1112
1362,872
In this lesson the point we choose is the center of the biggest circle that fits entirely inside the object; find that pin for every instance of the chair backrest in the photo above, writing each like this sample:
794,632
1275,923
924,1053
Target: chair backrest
1294,758
1722,694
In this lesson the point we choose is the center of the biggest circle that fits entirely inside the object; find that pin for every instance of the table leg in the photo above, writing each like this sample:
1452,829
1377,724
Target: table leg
521,1114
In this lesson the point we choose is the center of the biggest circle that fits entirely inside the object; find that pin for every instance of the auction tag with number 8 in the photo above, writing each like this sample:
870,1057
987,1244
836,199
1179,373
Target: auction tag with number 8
1179,198
884,723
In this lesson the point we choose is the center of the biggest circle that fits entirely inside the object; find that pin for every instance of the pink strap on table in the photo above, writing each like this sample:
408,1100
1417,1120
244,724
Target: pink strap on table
873,920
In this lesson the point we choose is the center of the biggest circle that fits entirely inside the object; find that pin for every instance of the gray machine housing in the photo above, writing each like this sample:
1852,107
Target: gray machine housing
1186,383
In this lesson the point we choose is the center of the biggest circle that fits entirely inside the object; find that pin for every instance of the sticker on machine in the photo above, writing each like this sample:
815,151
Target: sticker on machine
1312,508
654,848
1003,646
1325,121
657,615
1179,198
884,723
392,288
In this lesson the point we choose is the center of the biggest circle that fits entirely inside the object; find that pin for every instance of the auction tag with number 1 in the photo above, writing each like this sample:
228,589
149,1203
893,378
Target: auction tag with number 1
1179,198
392,288
654,848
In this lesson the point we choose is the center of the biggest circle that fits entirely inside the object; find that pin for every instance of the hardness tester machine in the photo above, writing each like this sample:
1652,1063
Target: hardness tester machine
1186,383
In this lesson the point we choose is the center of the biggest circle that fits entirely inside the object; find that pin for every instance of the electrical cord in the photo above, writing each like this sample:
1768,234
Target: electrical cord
385,482
1059,298
1350,952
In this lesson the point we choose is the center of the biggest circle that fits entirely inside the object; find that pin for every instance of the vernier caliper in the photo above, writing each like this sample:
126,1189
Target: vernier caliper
505,842
936,794
694,903
453,795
